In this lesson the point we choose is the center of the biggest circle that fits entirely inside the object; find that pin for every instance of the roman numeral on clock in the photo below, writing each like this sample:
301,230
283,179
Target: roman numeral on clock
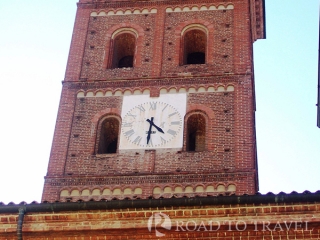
141,108
165,107
172,132
129,133
137,140
172,114
131,115
153,105
175,123
125,124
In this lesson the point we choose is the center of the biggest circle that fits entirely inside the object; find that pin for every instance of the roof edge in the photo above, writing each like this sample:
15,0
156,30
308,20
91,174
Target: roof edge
172,202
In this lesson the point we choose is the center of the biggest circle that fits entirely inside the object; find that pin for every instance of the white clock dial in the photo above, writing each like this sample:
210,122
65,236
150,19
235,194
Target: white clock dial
151,124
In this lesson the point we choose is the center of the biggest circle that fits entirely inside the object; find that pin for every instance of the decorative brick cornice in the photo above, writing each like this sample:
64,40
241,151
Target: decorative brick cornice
117,4
122,180
158,82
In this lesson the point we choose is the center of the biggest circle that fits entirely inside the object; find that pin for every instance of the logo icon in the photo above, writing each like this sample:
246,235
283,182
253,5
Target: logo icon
161,221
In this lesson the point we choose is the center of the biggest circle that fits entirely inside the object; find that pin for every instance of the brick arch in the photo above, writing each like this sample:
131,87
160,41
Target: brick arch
64,189
97,187
125,187
105,112
96,122
80,91
199,185
127,195
113,187
218,184
178,39
174,186
208,114
231,183
99,90
75,189
134,188
139,42
137,89
131,90
167,186
208,186
198,107
83,189
202,86
187,186
157,186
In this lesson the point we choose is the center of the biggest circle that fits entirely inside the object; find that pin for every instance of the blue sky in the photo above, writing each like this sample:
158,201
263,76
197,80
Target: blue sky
34,45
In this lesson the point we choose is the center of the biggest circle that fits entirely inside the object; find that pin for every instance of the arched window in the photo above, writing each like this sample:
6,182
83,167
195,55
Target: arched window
124,45
194,46
196,132
109,133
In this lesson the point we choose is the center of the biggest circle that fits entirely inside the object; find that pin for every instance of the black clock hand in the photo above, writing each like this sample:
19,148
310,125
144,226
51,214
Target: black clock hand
150,127
152,124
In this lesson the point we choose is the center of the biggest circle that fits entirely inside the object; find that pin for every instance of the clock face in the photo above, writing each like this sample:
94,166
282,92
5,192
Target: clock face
151,123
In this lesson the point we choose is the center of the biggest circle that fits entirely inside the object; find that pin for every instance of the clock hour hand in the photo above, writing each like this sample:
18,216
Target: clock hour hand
152,124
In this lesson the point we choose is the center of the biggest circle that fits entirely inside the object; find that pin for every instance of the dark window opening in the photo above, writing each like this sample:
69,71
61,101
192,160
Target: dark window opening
126,61
196,58
123,51
109,136
195,43
196,126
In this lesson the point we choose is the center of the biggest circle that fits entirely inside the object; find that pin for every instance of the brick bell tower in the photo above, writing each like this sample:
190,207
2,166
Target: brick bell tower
157,101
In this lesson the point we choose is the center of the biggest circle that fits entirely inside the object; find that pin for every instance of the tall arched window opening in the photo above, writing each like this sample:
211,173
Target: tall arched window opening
196,133
194,47
124,45
109,133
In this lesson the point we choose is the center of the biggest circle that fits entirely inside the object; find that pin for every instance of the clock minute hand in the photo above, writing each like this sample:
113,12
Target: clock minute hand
149,132
152,124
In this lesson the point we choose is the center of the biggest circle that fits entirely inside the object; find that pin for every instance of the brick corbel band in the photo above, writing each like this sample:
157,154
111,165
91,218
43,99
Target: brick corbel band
172,202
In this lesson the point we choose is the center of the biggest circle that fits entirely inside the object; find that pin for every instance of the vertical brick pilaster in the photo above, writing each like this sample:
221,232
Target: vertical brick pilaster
77,46
60,143
158,42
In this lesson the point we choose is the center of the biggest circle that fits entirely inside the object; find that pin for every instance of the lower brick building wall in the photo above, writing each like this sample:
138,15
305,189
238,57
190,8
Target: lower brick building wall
235,221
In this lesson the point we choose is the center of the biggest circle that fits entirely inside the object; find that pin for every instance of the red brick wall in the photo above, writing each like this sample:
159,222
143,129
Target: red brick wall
229,157
262,221
227,51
